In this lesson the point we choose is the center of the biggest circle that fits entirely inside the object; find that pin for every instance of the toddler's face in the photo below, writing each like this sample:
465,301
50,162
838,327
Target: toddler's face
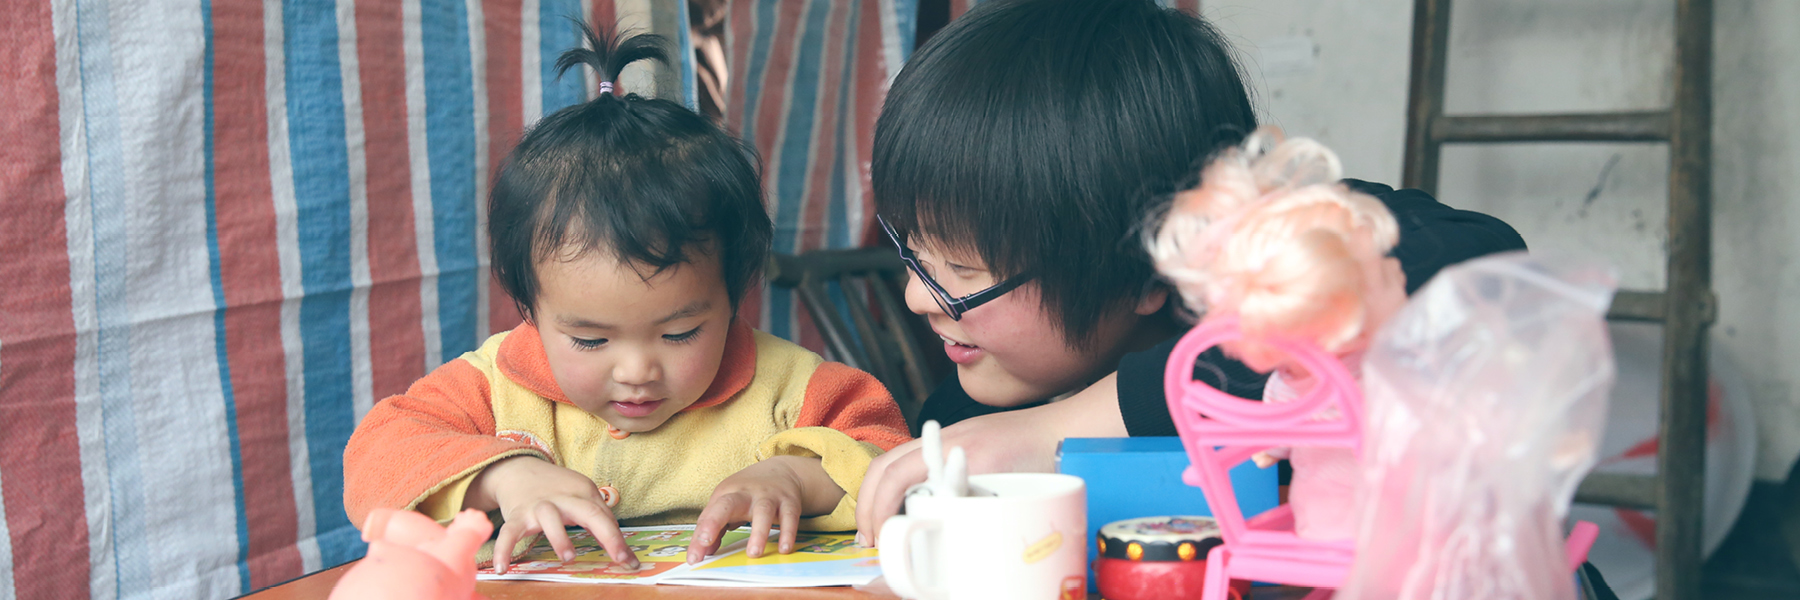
1007,352
632,351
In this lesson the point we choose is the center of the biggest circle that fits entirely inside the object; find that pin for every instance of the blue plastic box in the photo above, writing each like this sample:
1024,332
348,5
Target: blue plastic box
1141,477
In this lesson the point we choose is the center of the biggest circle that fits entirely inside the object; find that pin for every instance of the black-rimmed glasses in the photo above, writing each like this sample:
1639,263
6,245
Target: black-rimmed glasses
955,307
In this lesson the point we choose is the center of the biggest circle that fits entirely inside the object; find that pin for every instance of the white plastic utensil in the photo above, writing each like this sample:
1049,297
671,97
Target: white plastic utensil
945,476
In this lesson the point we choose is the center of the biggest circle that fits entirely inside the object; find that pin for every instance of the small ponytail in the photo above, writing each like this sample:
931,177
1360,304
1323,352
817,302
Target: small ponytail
608,53
633,177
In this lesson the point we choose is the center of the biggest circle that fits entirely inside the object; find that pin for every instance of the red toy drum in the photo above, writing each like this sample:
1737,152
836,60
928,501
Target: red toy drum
1160,558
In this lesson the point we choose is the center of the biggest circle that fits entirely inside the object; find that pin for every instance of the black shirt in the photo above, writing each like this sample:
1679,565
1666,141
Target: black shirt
1432,236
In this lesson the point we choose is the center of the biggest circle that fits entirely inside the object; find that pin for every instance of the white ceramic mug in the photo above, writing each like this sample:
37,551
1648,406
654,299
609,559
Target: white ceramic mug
1027,541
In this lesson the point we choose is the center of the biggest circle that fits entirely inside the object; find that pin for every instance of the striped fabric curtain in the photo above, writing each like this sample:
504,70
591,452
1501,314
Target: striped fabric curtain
806,80
228,227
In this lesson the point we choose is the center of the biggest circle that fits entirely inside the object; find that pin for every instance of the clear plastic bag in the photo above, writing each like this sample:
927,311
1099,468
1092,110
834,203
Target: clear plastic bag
1486,399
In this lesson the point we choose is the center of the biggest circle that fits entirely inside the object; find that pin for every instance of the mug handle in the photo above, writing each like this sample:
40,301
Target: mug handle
896,556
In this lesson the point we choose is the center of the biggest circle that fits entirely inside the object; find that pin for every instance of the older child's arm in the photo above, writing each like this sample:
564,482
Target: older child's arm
1015,441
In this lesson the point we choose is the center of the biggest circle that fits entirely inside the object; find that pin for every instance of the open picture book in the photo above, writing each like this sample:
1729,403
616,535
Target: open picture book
817,560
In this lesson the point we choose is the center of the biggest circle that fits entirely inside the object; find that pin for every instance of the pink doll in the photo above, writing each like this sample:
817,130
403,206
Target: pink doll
411,557
1272,238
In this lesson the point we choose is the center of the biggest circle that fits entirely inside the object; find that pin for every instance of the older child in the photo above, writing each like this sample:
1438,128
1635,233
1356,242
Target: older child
626,230
1017,156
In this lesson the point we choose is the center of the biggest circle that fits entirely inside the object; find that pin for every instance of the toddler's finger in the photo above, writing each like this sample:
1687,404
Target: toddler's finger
599,522
762,516
552,521
790,525
607,533
503,543
711,524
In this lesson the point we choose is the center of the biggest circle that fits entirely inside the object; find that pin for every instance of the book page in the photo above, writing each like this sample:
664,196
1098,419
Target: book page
660,552
817,560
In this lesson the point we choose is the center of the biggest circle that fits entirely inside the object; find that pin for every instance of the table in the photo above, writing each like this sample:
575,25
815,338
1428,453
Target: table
318,585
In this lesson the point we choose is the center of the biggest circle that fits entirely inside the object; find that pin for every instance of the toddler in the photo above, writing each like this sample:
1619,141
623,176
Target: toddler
627,230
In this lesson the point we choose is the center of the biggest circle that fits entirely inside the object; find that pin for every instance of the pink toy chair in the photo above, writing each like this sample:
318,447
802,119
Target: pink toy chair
1220,431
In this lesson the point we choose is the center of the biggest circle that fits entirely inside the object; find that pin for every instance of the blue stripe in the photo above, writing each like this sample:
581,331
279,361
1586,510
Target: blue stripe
838,231
836,292
556,33
107,195
803,100
765,23
321,171
690,97
906,25
450,144
218,289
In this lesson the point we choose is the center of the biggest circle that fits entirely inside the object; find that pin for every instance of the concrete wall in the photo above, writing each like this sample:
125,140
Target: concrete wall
1336,70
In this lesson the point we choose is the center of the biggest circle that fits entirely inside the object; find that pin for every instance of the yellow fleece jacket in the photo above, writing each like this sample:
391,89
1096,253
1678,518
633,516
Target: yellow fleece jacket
770,398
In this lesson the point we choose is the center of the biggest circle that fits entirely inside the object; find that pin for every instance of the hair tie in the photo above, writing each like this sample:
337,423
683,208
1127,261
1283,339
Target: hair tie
606,87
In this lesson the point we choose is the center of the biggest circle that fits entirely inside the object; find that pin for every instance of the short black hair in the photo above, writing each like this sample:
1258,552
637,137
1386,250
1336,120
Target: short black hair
642,179
1035,134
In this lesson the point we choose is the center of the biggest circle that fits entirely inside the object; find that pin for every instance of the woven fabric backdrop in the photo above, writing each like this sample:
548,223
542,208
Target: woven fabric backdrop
807,80
228,227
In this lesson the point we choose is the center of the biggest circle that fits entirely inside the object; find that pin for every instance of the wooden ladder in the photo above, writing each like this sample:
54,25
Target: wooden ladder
1686,308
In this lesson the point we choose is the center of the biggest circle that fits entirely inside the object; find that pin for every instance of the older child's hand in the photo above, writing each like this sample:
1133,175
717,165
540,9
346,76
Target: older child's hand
536,496
1020,441
777,491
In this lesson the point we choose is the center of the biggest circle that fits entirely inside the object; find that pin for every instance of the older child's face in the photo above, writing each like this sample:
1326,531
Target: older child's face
1007,352
630,351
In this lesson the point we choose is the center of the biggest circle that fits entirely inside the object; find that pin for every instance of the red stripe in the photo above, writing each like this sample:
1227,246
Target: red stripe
1191,7
741,25
958,7
506,117
869,91
397,352
40,461
606,13
250,273
771,116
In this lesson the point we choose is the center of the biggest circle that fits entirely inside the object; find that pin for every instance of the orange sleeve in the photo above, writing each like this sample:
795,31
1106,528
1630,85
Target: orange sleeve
408,446
849,400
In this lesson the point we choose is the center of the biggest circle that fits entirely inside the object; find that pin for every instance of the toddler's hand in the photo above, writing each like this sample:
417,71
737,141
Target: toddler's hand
536,496
767,493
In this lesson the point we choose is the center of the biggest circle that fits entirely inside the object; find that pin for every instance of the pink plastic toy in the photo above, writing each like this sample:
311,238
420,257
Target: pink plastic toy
1220,431
411,557
1486,403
